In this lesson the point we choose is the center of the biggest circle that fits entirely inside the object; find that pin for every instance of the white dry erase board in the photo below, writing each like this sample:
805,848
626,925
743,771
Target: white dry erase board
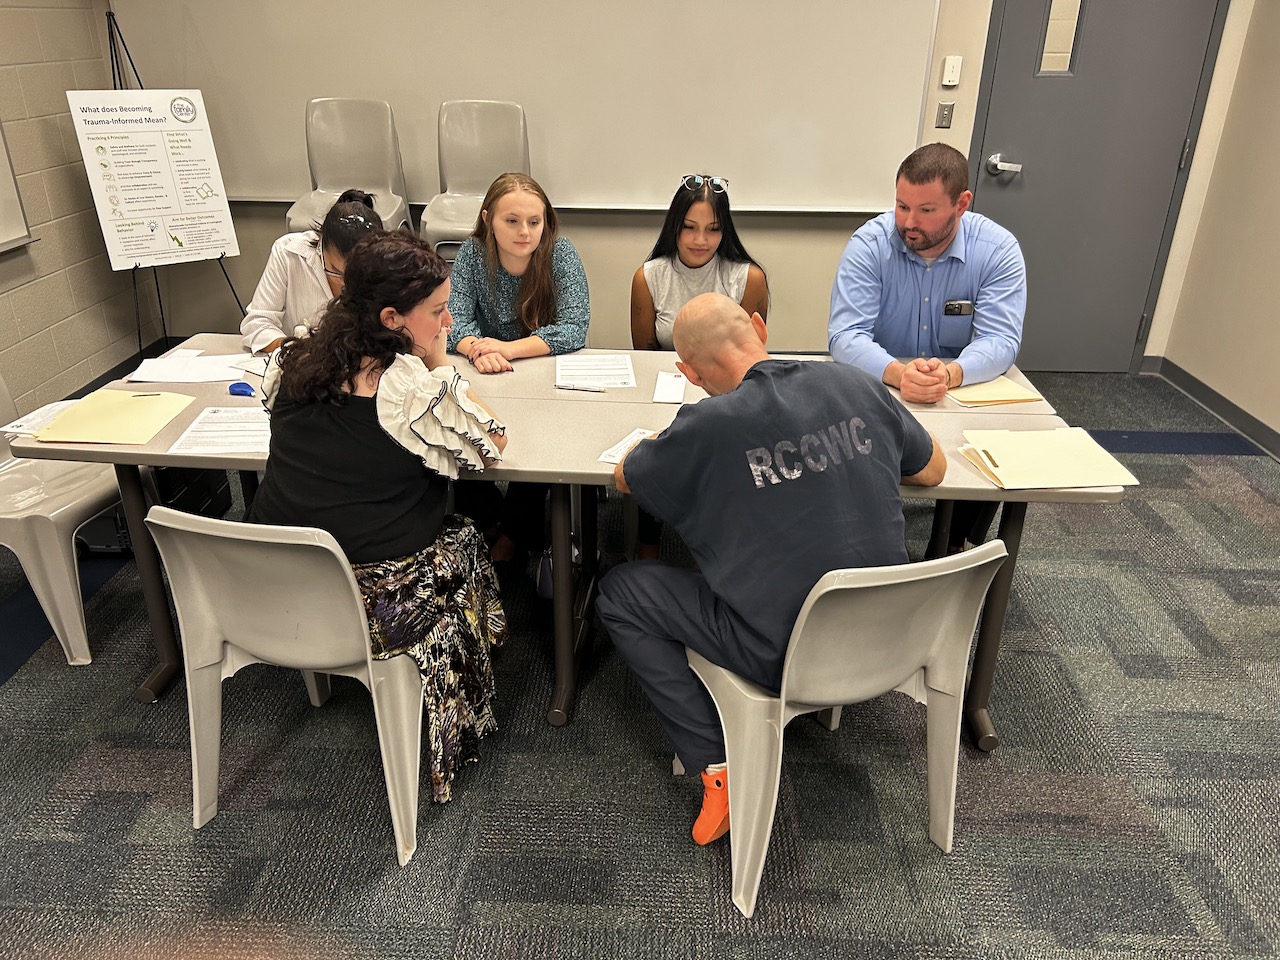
14,231
807,105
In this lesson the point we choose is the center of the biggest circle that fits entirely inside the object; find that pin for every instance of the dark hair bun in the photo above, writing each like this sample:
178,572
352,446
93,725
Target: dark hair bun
356,196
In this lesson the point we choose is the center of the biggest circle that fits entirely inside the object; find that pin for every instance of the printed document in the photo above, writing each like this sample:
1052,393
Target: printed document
226,430
596,370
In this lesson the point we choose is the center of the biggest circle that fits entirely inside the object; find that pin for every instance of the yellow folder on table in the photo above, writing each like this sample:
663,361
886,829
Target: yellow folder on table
999,390
115,416
1035,459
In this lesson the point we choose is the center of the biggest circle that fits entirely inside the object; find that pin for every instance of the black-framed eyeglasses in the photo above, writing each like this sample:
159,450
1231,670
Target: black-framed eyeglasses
692,181
328,271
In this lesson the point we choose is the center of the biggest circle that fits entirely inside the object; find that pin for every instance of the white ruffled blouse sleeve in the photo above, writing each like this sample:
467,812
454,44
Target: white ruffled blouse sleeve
431,414
271,381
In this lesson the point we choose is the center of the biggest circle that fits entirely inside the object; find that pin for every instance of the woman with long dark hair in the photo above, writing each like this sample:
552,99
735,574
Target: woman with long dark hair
698,251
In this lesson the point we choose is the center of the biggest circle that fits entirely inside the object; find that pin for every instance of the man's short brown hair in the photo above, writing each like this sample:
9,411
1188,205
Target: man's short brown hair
937,161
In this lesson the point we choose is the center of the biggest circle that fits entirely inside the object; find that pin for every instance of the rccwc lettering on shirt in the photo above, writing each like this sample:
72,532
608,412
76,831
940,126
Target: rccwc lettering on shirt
815,452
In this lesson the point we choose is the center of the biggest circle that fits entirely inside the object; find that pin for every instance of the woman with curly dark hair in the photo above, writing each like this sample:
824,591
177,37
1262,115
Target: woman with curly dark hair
369,424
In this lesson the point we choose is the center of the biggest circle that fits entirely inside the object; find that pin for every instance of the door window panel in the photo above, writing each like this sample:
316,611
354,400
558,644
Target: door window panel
1057,51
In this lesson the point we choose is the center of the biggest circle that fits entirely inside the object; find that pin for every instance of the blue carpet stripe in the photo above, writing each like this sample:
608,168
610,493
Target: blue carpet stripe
26,627
1167,441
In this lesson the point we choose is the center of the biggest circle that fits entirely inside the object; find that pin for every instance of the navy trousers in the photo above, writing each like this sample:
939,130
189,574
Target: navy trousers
653,611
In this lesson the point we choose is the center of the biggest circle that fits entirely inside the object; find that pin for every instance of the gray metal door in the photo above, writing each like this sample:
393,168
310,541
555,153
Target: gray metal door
1101,142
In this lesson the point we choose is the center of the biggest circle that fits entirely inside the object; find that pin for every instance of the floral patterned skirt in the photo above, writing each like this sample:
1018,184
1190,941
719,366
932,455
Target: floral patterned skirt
441,606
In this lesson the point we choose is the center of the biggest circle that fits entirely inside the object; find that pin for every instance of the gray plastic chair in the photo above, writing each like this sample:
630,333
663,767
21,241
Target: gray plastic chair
251,593
860,633
42,504
352,143
476,141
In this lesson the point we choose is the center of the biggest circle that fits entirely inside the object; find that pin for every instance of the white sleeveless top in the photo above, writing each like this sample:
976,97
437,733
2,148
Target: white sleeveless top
672,285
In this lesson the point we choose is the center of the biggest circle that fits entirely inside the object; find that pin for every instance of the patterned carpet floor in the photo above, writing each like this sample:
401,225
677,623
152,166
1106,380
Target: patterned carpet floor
1131,811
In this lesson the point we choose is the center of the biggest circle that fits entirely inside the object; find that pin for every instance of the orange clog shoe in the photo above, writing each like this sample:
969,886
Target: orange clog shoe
713,821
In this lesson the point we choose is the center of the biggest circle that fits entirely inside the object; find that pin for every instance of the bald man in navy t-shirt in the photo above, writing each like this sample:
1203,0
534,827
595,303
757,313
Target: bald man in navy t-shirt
789,469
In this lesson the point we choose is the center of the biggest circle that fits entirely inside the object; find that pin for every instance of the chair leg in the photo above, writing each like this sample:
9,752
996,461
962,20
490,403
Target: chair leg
50,566
943,753
630,526
829,718
319,686
396,687
753,751
204,709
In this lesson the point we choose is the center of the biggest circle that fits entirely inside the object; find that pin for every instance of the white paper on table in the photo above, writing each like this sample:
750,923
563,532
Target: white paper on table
33,421
226,430
202,369
596,370
619,450
669,387
255,365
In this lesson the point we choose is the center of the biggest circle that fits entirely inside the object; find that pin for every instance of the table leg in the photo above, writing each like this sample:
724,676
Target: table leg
590,538
248,487
562,606
153,590
571,606
990,630
585,594
942,513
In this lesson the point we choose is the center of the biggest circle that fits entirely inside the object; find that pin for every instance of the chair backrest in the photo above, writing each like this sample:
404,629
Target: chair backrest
284,595
8,410
477,140
862,632
8,413
353,143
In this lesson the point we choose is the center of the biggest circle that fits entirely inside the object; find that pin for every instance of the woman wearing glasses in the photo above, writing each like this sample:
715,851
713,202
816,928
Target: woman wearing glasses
698,251
519,290
369,423
304,272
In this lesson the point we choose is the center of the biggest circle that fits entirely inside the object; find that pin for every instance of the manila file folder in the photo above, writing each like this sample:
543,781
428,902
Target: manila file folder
1032,459
115,416
999,390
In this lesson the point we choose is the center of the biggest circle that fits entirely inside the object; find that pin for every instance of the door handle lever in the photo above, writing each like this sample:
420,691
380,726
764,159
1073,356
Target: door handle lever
996,165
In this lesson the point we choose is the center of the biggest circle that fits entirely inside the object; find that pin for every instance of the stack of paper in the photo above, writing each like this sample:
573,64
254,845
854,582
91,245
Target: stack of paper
619,450
114,416
27,425
999,390
1043,459
187,369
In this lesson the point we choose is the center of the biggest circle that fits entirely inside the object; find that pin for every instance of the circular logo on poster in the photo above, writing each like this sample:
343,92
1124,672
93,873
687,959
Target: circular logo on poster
182,109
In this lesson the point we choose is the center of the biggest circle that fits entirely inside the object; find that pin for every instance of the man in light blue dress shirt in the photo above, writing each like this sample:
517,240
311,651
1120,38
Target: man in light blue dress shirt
929,295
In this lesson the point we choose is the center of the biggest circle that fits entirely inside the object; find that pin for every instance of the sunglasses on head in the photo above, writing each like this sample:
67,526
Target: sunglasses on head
693,181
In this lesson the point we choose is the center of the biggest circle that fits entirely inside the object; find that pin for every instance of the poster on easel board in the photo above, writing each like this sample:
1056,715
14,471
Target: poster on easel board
154,175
